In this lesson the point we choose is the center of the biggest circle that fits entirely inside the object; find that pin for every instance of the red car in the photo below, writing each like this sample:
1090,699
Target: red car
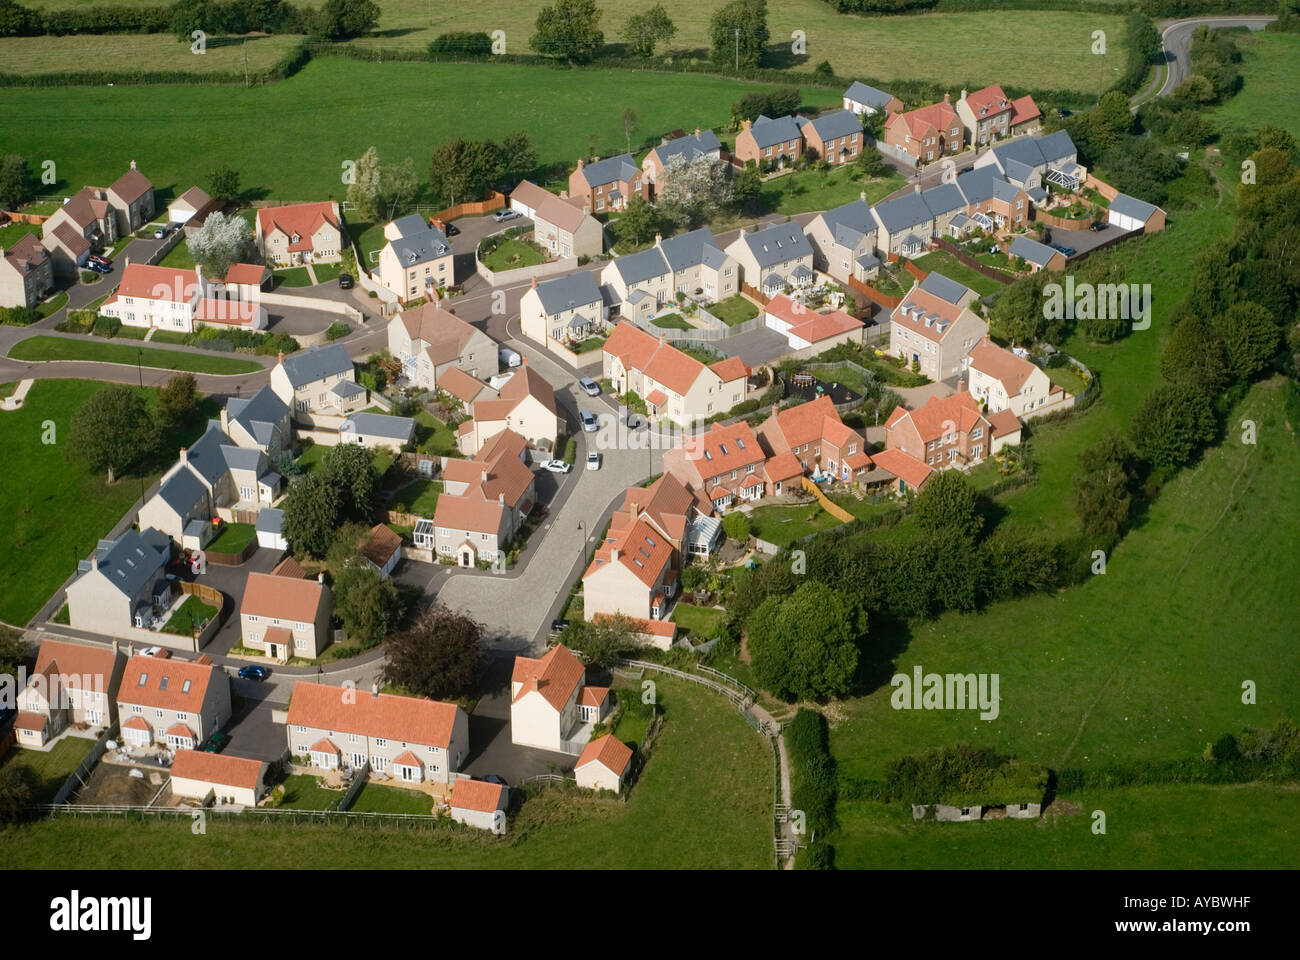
101,261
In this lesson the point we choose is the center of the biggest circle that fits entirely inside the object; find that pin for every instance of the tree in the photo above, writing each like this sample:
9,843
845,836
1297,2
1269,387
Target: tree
805,645
1113,112
112,431
442,656
366,603
220,242
746,189
1250,335
17,789
1194,354
738,32
1103,485
568,31
736,525
1172,424
1020,311
13,652
1014,563
518,158
178,400
363,191
639,221
690,192
397,186
948,505
345,19
16,186
628,121
349,469
601,644
643,30
311,512
223,183
871,163
463,170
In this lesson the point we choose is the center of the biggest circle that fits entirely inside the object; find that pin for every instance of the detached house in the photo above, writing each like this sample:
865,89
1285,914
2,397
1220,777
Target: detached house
631,572
73,683
1026,118
94,218
834,137
673,384
685,519
864,99
551,707
262,422
26,273
413,739
770,142
122,584
645,283
726,464
525,403
301,233
1005,381
608,184
986,115
172,702
1029,162
131,197
562,311
945,432
484,502
844,242
926,133
417,259
563,228
183,300
213,777
933,329
430,340
319,380
774,257
814,434
703,143
285,615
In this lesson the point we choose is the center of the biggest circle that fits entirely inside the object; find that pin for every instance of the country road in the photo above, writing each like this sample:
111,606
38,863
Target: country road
1176,39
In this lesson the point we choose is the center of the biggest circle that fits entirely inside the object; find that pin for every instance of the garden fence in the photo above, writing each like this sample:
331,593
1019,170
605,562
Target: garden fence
78,777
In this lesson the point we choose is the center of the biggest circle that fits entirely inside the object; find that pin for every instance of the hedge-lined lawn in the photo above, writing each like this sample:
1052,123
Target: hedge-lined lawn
671,321
53,305
233,538
697,622
784,525
943,262
59,348
377,798
734,310
325,272
511,254
442,438
1166,827
808,190
192,613
710,776
419,497
161,51
302,791
178,257
51,767
291,277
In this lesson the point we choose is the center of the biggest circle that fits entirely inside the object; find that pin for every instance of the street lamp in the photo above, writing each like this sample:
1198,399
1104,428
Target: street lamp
582,528
738,49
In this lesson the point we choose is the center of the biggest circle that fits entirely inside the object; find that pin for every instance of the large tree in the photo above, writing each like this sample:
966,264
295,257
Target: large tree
16,186
345,19
311,513
1251,337
220,242
463,171
350,470
569,31
643,30
13,651
366,603
948,505
363,191
398,184
442,656
602,644
805,644
223,183
1172,424
738,32
1194,353
638,222
1103,484
178,400
688,193
112,431
746,189
518,158
17,791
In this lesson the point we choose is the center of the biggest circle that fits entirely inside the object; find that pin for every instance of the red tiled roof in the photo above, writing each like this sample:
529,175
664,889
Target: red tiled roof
1023,110
157,283
1002,365
324,745
593,696
941,116
478,795
942,415
180,730
610,752
221,769
656,398
641,549
30,721
381,544
782,467
176,673
131,186
283,596
461,385
78,660
407,759
247,273
527,382
732,368
555,676
303,219
906,467
991,99
666,503
632,345
810,422
26,253
675,370
651,628
136,723
1004,422
71,239
410,719
929,304
289,567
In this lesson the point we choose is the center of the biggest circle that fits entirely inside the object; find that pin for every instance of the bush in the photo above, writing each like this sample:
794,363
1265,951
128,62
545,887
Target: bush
465,44
19,316
812,771
736,525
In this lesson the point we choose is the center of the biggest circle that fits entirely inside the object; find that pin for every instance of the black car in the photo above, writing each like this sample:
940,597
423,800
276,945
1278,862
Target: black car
345,281
452,230
557,626
1097,226
1062,248
1065,113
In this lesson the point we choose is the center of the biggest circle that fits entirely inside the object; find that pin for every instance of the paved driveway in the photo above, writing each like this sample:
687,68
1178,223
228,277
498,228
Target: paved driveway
230,581
756,347
1083,240
491,751
252,732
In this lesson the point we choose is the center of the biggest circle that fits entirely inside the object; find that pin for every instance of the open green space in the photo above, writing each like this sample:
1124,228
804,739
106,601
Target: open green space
943,262
511,254
419,497
377,798
785,525
60,348
634,720
736,309
291,277
302,791
192,615
50,54
806,190
50,767
709,775
700,623
11,233
233,538
1268,65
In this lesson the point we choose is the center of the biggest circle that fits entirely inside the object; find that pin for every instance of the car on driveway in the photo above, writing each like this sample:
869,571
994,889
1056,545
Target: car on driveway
216,743
633,421
556,466
254,672
493,778
589,386
345,281
97,267
1062,248
503,215
101,261
593,459
558,626
160,233
1097,226
452,230
509,358
589,422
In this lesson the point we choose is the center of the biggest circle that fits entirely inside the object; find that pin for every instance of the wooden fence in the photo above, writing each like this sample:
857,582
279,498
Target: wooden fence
914,270
79,776
1101,186
834,509
1001,276
494,202
32,218
1061,223
753,294
874,295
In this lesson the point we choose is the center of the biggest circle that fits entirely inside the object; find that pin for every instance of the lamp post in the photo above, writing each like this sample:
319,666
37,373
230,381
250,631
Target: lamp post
139,370
738,49
582,529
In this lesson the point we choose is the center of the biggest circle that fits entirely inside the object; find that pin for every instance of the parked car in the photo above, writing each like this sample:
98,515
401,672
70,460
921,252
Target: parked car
556,466
452,230
103,262
97,267
1097,226
216,743
1062,248
557,626
254,672
345,281
633,421
149,651
1065,113
588,421
509,358
589,386
593,460
503,215
493,778
160,233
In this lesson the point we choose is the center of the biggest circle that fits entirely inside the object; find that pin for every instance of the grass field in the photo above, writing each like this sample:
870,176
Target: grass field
710,776
60,348
51,767
304,792
192,613
28,55
377,798
1268,65
784,525
233,538
513,253
1169,827
419,497
734,310
807,190
941,261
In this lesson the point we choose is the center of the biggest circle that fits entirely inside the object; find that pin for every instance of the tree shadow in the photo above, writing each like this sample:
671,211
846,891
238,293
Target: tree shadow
888,638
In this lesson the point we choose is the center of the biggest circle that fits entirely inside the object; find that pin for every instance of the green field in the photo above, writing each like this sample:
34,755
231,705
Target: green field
60,348
1268,65
785,525
419,497
51,767
511,254
49,54
808,190
710,776
377,798
945,263
233,538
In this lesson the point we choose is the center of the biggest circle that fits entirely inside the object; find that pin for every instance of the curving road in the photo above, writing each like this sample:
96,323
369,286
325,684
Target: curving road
1176,39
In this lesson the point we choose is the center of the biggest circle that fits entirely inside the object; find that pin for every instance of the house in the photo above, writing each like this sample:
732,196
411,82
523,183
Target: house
1039,256
372,430
477,803
26,273
608,184
1005,381
909,473
906,224
430,340
131,197
647,282
178,703
270,522
459,386
631,572
182,300
413,739
770,142
933,330
986,115
562,311
703,143
805,328
382,548
844,241
835,137
604,764
641,283
565,229
484,501
945,432
674,385
285,615
318,380
525,403
262,422
72,683
551,706
216,778
301,233
681,517
1026,118
814,435
1030,162
120,586
926,133
724,464
94,218
991,202
1130,213
416,260
187,205
775,257
525,198
862,99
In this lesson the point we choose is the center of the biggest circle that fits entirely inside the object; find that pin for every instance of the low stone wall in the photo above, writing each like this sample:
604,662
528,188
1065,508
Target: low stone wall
501,278
310,303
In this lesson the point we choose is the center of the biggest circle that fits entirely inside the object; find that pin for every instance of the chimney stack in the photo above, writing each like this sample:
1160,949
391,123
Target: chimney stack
659,239
130,648
534,283
501,499
225,420
320,577
185,457
374,690
862,195
613,554
132,164
916,187
582,162
947,99
748,124
961,384
697,133
963,93
280,357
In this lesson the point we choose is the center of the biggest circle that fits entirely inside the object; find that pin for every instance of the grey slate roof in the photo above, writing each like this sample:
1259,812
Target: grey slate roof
692,249
688,147
347,388
1037,194
841,123
242,458
768,132
610,169
638,267
961,221
382,425
269,520
1035,151
1132,207
778,243
565,293
1056,146
903,212
422,243
1031,251
944,288
862,93
181,491
1018,171
849,223
259,414
411,223
130,561
943,199
868,261
982,184
206,456
317,363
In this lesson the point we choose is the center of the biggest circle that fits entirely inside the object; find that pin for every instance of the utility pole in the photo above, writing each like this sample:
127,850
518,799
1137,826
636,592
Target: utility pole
245,45
738,49
139,369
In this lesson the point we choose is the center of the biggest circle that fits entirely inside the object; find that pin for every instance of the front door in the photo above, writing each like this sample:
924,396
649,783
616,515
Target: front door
408,774
358,759
273,650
